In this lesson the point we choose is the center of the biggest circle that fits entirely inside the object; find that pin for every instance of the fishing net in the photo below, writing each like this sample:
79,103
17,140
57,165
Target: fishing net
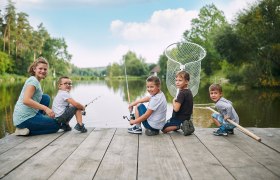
184,56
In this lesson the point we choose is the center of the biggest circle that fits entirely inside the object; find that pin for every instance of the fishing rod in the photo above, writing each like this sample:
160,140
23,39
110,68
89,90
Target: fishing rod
84,112
128,96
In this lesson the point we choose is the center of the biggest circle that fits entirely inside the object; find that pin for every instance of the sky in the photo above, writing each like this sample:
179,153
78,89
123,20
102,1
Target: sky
100,32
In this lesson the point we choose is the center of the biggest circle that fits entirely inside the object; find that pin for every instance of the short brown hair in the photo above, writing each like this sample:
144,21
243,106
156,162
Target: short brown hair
183,74
62,77
216,87
154,79
35,64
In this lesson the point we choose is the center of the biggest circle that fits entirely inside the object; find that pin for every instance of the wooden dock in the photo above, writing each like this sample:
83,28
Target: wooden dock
115,154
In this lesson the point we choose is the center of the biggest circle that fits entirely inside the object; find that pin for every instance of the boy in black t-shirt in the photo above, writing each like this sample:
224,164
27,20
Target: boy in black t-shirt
182,105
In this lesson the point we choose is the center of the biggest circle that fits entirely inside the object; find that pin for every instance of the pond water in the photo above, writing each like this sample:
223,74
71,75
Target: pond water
256,108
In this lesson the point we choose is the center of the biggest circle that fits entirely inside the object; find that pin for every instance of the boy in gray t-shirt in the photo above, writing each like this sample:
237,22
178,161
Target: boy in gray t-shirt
225,109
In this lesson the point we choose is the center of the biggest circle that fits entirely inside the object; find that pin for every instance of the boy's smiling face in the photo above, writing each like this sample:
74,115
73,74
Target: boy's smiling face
215,95
65,84
152,88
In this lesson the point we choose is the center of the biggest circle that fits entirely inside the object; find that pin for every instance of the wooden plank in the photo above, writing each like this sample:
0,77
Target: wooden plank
10,141
159,159
20,153
45,162
85,160
120,161
237,162
270,136
198,160
264,155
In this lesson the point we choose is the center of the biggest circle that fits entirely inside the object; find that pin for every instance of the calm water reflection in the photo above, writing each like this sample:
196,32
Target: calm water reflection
256,108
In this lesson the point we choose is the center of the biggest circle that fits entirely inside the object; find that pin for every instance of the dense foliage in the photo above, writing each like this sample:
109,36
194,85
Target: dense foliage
247,51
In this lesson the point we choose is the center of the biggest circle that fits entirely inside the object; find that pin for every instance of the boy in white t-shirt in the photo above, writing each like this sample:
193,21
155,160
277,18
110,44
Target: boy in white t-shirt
65,107
153,117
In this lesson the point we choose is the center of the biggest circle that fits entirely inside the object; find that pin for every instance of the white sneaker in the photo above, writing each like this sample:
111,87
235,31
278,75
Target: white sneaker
21,132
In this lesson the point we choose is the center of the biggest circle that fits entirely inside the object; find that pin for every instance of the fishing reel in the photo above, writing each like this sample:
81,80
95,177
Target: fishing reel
131,116
84,113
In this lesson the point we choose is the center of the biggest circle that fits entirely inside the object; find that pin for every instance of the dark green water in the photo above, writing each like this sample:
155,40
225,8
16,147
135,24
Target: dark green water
256,108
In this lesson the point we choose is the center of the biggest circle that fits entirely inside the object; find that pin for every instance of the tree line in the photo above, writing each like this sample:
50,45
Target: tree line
245,51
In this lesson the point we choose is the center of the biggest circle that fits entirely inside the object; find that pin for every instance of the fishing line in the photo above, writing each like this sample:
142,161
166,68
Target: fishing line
84,112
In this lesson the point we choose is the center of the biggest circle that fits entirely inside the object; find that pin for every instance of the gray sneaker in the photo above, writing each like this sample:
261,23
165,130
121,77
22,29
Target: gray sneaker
149,132
22,132
135,130
187,127
80,128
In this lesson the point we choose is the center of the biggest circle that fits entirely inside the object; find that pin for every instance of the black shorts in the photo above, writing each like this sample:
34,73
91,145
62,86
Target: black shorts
69,112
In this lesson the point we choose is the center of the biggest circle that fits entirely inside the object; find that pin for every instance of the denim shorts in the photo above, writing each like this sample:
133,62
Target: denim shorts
69,112
173,122
223,122
142,110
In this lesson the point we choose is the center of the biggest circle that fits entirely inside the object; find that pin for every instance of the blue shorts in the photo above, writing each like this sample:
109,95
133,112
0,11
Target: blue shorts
223,122
142,110
173,122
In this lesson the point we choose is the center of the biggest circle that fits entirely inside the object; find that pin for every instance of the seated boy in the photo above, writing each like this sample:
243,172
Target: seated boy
65,107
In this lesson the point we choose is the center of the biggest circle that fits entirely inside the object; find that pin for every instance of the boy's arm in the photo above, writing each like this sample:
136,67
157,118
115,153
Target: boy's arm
225,109
176,105
142,100
142,118
76,104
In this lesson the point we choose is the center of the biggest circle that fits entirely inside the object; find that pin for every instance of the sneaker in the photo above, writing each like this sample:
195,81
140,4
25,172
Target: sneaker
65,127
80,128
230,131
149,132
187,127
220,132
135,130
22,132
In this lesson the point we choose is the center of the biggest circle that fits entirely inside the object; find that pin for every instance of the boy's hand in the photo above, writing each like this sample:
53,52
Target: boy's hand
226,117
130,108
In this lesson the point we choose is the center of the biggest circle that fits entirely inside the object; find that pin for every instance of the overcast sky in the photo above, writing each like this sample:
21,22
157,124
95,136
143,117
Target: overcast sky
99,32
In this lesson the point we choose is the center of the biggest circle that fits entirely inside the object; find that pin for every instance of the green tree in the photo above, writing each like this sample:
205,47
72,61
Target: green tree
9,27
254,41
135,66
55,51
203,32
38,40
5,62
114,70
162,62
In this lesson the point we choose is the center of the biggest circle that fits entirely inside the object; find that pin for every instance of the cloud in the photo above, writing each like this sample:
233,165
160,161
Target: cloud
147,39
75,3
163,24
